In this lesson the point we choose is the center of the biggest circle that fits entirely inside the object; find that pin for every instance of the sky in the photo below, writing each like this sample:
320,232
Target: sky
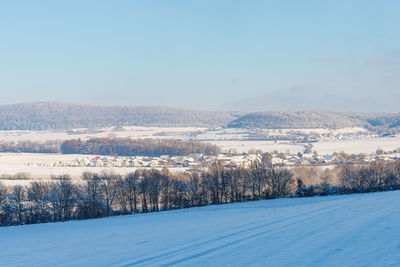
244,55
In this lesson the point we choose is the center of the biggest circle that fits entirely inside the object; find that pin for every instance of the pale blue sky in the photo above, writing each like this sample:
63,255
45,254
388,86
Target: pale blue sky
214,54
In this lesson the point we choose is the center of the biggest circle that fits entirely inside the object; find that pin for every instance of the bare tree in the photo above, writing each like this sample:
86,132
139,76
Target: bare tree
109,188
238,184
144,191
18,199
93,205
38,196
278,181
196,189
4,216
258,178
63,198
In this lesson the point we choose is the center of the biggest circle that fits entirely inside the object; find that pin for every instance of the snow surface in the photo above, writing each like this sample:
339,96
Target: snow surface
353,146
127,131
351,230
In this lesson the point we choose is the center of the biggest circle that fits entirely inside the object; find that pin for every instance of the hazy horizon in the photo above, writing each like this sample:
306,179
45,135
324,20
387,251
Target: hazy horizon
207,55
242,111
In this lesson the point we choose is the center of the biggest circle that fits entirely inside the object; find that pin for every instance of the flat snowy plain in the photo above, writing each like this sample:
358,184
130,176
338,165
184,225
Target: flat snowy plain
351,230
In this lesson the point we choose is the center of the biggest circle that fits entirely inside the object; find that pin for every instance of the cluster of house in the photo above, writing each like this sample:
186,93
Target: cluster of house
333,159
137,161
288,159
244,160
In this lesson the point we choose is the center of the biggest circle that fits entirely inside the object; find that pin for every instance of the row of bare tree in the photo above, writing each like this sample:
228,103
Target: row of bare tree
372,177
348,178
108,194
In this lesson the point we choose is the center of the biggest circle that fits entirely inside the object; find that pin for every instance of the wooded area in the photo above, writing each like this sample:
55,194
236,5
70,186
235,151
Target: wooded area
137,147
31,147
114,146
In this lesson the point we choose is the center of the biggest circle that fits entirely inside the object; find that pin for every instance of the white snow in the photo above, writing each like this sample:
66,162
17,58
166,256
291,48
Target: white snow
352,230
128,131
354,146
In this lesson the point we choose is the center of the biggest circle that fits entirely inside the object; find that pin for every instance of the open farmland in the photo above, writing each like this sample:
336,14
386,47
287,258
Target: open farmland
366,145
131,131
325,141
350,230
349,140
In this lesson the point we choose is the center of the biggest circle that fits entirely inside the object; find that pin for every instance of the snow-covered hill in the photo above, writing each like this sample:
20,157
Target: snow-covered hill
352,230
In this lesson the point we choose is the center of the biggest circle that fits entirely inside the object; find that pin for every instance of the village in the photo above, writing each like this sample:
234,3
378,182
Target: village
244,160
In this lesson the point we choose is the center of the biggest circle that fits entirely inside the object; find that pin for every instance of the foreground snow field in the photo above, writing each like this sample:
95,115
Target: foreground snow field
351,230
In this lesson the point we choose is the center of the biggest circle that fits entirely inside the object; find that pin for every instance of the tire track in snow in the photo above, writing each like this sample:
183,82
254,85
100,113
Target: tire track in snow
292,220
243,239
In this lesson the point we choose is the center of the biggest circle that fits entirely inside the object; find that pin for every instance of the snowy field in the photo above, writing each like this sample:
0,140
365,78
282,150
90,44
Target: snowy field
224,134
128,131
264,146
358,146
12,163
226,138
352,230
367,145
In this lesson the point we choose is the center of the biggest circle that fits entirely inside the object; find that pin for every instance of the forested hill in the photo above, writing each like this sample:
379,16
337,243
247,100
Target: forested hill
58,115
54,115
294,119
318,119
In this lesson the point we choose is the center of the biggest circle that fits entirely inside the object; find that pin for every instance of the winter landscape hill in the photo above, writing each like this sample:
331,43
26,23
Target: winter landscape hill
350,230
317,119
60,115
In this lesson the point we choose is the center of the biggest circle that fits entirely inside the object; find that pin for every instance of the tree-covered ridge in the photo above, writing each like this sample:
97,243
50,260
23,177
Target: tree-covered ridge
52,115
317,119
58,115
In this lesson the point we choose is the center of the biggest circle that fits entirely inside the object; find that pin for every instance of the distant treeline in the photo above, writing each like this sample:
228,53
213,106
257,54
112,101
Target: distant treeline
113,146
31,147
137,147
108,194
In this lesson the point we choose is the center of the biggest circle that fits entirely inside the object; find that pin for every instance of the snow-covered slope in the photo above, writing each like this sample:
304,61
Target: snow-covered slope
352,230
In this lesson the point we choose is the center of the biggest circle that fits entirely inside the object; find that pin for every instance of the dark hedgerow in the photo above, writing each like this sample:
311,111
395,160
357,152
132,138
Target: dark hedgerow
107,194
